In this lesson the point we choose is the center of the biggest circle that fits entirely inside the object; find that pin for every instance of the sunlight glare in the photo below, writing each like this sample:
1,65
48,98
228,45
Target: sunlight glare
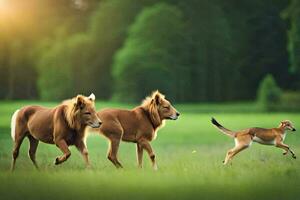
5,8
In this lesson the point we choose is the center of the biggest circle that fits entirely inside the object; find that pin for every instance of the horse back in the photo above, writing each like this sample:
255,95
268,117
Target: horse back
39,122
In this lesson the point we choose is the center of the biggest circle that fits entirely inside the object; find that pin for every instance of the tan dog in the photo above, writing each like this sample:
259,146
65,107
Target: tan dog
138,125
63,125
244,138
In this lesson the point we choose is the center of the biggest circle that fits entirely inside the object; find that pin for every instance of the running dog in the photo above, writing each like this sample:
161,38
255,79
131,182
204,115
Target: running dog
244,138
63,125
139,125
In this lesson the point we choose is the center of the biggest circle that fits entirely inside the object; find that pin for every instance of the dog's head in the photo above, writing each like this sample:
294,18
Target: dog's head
287,125
86,112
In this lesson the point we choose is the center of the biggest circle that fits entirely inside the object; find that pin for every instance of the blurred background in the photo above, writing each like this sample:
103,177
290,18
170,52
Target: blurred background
192,50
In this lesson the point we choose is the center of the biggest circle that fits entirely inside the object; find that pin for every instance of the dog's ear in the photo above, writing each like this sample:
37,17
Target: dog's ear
283,124
80,102
92,97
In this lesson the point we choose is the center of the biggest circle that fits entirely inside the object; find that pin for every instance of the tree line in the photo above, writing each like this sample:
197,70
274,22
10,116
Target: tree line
208,50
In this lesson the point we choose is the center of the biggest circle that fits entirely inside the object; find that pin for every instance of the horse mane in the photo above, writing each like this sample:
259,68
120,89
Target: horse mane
71,113
149,104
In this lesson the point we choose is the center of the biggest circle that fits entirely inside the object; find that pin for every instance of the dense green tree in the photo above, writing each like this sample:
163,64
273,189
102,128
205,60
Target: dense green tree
85,58
153,56
3,66
55,73
269,94
259,41
19,76
108,30
292,13
23,28
224,51
210,51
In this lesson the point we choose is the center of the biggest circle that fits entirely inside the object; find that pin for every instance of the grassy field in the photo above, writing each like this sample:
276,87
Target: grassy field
189,154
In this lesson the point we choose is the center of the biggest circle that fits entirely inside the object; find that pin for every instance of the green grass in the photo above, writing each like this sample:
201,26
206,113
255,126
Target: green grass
189,154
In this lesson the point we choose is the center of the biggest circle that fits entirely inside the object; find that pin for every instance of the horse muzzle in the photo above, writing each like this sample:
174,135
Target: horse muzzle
95,124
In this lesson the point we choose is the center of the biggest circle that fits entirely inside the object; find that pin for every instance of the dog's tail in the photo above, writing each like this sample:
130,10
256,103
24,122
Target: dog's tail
222,128
13,124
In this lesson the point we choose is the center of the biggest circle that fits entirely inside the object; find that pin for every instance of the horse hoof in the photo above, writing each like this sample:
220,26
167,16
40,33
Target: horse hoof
56,162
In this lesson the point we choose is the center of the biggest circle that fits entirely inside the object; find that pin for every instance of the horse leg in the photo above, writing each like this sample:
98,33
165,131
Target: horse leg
33,144
62,145
19,137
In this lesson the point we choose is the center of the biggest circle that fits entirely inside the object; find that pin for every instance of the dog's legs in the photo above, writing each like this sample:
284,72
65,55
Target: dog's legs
231,153
293,154
227,156
32,149
146,145
84,152
139,154
237,150
19,137
113,151
241,143
286,148
62,145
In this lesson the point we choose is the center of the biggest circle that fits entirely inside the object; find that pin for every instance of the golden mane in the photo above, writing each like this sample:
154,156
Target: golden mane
71,112
149,104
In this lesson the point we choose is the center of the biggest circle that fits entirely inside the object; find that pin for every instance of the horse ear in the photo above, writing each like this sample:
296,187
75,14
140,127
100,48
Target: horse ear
92,97
157,98
80,102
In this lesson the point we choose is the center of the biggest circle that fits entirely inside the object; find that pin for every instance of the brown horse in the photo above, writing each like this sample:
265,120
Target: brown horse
63,125
138,125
